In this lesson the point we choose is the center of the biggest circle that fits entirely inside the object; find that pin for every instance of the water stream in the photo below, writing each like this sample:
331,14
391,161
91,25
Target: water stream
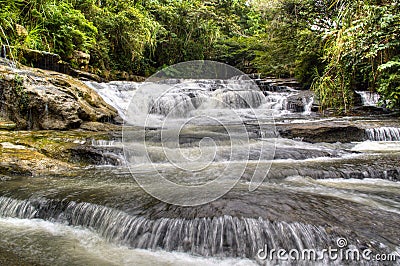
313,194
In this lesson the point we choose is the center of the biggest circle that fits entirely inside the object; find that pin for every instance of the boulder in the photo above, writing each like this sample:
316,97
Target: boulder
96,155
43,60
39,99
330,133
81,59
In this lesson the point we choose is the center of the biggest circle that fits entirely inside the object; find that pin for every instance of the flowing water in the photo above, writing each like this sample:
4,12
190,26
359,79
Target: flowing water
369,98
314,193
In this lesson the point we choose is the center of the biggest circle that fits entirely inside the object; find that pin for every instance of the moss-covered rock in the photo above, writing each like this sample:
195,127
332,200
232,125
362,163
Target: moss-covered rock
49,152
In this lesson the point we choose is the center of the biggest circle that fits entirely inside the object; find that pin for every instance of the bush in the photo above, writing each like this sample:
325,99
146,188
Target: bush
67,28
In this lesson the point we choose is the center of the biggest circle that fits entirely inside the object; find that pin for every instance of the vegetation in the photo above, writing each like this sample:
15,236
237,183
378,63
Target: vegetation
332,46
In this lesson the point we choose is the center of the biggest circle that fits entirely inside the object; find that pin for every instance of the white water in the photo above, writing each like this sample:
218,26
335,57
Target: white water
118,94
354,190
203,236
105,143
378,146
190,95
369,98
58,244
308,105
383,134
277,100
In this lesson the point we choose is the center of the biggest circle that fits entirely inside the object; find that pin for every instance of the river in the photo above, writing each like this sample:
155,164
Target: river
314,193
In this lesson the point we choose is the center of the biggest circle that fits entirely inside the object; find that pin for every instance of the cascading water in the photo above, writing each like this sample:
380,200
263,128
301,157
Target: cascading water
104,143
308,103
383,134
200,93
313,194
223,236
369,98
117,94
12,63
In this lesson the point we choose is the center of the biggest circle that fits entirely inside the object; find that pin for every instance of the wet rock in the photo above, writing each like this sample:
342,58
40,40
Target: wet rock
81,59
28,162
39,99
82,75
275,84
53,152
301,154
297,103
99,127
323,133
43,60
13,169
357,99
96,155
369,110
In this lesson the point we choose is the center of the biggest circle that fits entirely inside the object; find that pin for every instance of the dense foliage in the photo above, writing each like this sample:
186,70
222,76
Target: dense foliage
361,51
333,46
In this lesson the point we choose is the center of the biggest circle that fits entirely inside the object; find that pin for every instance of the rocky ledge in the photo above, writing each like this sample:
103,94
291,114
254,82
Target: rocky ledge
31,153
40,99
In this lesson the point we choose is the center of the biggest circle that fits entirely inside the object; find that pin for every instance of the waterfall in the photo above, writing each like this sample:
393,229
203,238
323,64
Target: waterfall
118,94
240,99
213,236
383,134
369,98
186,96
4,50
104,143
177,103
277,101
308,103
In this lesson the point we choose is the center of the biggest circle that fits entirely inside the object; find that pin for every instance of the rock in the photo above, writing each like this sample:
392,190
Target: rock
39,99
96,155
82,75
297,103
81,59
357,99
7,125
53,62
122,75
369,110
276,84
29,163
13,169
55,152
43,60
330,133
99,127
136,78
